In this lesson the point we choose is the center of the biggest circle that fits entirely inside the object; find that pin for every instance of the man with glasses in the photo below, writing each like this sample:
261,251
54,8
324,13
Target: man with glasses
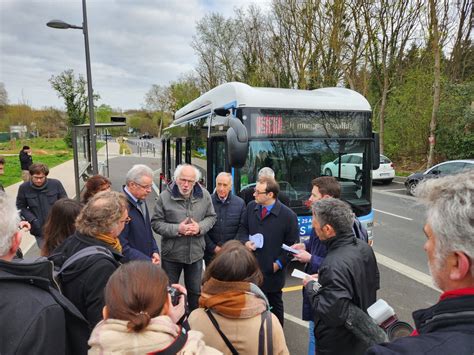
183,215
36,197
278,225
138,242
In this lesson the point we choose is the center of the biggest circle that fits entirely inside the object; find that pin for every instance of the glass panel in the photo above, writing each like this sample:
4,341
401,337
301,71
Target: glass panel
297,162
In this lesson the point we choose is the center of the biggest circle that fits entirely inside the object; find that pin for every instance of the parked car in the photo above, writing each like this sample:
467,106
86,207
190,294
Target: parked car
441,169
351,168
146,136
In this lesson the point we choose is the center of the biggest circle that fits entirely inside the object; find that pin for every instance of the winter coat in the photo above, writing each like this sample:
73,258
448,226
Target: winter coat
83,283
112,336
25,160
137,240
35,317
35,202
445,328
280,226
318,252
349,273
237,308
230,214
170,210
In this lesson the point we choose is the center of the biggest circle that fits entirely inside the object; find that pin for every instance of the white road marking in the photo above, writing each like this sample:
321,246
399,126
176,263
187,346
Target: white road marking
394,215
407,271
296,320
393,194
395,190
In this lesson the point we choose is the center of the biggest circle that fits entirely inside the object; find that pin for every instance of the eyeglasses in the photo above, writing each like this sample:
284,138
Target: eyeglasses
191,182
126,220
35,177
256,192
144,187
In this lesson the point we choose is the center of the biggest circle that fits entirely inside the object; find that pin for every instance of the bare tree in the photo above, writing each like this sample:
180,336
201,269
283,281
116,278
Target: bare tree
462,42
390,27
158,99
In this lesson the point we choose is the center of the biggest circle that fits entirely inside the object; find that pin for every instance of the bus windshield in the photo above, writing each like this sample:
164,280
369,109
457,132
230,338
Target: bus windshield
297,161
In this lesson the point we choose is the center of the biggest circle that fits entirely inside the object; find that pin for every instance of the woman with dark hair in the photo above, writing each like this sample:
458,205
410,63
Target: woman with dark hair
95,184
234,314
60,224
139,316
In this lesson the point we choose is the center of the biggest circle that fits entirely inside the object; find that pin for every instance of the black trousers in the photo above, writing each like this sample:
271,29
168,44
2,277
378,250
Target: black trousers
276,302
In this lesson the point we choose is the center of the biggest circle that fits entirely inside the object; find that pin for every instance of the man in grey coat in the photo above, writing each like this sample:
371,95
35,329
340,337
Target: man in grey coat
183,215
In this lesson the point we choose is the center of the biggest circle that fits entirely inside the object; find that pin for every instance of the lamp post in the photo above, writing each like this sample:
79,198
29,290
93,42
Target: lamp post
63,25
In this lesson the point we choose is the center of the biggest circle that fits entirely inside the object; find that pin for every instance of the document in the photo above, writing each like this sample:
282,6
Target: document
290,249
257,239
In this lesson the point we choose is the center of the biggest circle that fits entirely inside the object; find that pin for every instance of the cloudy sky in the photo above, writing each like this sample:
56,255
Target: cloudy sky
133,43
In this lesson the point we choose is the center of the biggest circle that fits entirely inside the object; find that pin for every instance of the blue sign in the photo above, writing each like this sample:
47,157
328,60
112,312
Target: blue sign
304,224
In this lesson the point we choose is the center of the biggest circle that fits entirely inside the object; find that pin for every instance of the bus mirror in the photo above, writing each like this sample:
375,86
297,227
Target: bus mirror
221,111
237,142
376,150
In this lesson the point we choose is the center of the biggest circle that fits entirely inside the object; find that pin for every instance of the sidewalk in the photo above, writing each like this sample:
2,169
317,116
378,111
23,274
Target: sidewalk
65,173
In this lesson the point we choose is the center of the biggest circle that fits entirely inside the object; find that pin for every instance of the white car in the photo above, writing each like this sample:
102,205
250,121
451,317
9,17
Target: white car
351,168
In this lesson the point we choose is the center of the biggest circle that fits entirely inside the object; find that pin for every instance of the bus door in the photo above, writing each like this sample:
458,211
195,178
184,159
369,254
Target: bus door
216,162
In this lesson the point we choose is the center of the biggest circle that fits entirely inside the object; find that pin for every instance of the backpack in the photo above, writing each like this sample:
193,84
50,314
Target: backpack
81,254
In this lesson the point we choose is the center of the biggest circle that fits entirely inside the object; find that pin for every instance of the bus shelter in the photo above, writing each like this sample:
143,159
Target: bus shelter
81,143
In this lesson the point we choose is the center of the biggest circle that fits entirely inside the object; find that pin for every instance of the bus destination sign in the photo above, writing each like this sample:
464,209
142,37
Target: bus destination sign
307,124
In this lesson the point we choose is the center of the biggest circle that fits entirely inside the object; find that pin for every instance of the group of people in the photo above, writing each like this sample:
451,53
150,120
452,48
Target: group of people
120,293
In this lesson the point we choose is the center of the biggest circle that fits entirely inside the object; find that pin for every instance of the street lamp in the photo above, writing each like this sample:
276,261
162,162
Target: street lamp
63,25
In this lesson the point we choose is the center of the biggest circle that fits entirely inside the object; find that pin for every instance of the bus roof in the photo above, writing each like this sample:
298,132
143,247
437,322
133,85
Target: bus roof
238,95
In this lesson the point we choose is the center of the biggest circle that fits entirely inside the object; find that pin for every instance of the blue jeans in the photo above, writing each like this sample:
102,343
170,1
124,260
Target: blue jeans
192,279
312,339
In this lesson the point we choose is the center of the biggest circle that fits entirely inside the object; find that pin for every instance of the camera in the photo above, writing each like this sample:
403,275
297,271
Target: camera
174,293
385,317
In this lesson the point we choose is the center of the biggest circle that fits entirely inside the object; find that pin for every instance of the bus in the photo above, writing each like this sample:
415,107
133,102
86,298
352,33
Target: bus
300,134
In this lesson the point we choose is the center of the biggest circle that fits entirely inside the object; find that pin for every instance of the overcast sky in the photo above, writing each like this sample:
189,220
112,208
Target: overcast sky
133,43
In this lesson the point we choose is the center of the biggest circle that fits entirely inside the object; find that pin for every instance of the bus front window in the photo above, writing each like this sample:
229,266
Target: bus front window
297,162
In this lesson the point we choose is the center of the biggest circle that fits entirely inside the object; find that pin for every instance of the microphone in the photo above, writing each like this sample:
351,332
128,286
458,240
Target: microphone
384,315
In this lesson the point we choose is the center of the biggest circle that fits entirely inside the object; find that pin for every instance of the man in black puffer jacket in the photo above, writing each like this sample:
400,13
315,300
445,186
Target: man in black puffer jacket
348,276
230,211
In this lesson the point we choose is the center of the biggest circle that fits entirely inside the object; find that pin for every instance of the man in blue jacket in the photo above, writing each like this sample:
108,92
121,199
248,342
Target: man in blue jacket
138,242
279,225
230,211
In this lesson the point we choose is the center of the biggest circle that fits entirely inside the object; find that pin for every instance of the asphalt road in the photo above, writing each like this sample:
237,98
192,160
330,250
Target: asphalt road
405,283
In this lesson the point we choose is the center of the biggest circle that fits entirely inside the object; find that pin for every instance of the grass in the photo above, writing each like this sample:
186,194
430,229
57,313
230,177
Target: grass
51,152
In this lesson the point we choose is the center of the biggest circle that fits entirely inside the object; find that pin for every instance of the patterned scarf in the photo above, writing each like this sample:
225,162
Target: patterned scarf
114,242
233,299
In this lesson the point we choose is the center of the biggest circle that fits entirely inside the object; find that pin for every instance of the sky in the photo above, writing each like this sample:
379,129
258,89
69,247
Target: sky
133,45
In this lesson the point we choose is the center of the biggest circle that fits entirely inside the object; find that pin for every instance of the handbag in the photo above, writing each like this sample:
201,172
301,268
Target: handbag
266,318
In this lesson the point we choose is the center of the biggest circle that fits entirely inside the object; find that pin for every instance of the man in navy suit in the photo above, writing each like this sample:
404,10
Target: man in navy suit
138,242
279,225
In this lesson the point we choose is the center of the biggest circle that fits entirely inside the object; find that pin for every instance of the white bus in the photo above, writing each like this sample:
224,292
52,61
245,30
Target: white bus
240,129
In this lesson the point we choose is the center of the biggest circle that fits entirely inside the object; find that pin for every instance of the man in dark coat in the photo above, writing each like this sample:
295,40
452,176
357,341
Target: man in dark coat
230,211
34,317
25,162
36,197
448,326
278,225
99,224
348,276
137,238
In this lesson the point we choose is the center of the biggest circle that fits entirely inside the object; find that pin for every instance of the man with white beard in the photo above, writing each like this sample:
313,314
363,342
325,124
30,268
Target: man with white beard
448,326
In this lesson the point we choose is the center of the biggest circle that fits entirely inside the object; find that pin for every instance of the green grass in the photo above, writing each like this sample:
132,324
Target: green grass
51,152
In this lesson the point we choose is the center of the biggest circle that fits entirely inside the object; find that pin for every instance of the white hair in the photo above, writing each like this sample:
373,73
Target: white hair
9,220
179,169
450,214
266,171
136,173
226,174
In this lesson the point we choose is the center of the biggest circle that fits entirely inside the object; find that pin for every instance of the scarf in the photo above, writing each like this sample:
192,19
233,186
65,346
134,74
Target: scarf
233,299
112,241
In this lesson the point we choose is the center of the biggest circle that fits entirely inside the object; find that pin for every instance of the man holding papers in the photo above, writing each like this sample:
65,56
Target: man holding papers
278,225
